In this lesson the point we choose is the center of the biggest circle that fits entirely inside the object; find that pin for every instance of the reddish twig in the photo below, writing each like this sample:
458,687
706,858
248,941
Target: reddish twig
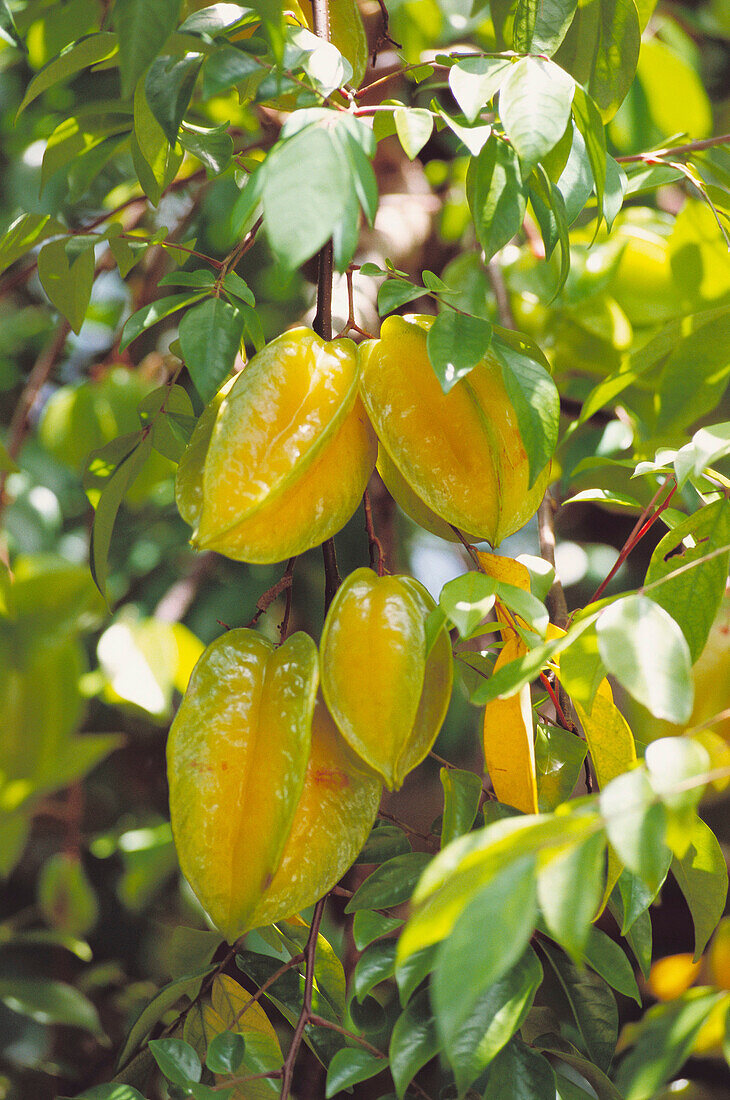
377,555
264,602
310,950
350,324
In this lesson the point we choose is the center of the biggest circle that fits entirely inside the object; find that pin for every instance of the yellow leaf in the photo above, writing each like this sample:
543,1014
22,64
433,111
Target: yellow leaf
501,568
609,737
509,747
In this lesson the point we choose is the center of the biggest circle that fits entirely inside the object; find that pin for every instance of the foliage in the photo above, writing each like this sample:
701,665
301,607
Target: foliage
535,199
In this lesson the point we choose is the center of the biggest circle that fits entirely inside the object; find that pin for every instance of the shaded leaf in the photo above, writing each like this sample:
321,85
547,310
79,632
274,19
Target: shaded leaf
414,1042
368,926
50,1002
108,506
462,792
701,874
375,965
210,337
67,282
496,194
609,960
384,842
156,311
177,1060
520,1073
536,402
168,87
390,884
456,342
142,29
349,1066
592,1005
79,55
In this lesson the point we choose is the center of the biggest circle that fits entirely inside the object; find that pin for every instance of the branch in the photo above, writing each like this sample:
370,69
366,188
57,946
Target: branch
305,1016
676,151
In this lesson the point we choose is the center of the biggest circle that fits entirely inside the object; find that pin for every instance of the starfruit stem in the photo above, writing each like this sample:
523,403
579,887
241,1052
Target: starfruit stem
377,554
310,950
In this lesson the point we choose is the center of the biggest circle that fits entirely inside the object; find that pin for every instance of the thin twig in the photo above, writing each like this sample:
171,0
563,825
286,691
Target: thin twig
377,555
676,151
556,602
264,602
320,1021
310,950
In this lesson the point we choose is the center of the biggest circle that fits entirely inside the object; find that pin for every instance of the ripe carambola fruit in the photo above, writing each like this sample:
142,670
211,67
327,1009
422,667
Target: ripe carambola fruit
268,806
460,453
280,458
387,696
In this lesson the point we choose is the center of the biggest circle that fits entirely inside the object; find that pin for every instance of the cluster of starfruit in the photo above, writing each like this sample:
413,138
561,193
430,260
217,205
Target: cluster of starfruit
280,458
274,785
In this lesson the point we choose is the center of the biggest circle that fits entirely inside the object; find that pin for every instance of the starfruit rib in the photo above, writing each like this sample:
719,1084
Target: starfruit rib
307,384
237,755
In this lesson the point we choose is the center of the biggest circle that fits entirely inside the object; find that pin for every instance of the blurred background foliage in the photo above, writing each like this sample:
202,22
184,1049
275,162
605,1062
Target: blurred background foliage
91,891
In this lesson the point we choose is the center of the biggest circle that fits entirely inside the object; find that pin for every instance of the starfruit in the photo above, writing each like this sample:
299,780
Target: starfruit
280,458
460,453
388,696
268,805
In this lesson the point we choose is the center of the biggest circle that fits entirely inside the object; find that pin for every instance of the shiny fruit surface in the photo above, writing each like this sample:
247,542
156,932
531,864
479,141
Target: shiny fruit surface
460,452
387,696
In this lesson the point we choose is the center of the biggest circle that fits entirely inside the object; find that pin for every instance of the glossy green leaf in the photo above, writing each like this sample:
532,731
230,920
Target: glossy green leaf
238,288
177,1060
576,182
462,793
390,884
520,1073
595,1078
108,506
692,598
413,126
549,208
349,1066
467,600
210,339
552,19
67,282
394,293
475,80
637,895
636,824
414,1042
384,842
143,30
469,962
536,402
304,172
226,1052
149,315
616,188
496,194
559,756
534,106
168,87
607,958
368,926
50,1002
570,889
456,342
601,50
661,1043
590,125
227,66
169,412
77,138
79,55
702,877
642,646
702,355
212,147
25,232
375,965
496,1016
638,933
592,1005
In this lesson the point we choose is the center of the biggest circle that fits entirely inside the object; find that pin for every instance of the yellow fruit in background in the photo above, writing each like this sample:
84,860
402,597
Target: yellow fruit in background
387,695
268,806
718,955
671,976
460,453
281,456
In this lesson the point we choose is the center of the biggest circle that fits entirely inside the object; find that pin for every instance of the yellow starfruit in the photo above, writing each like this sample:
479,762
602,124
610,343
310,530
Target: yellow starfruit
387,695
258,784
461,452
280,458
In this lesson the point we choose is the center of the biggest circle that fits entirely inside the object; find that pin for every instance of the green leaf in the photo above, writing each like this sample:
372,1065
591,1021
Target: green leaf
473,137
212,147
520,1073
210,337
702,877
462,792
642,646
67,284
692,598
610,961
225,1052
384,842
168,87
79,55
575,182
549,208
468,961
467,600
700,353
663,1040
363,174
413,126
238,288
410,972
349,1066
590,125
26,231
534,106
677,767
616,188
414,1042
496,194
592,1005
375,965
559,757
390,884
394,293
570,889
109,1092
7,464
177,1060
603,1088
107,508
497,1015
76,140
582,670
304,172
50,1002
169,995
601,50
636,825
143,29
149,315
475,80
456,342
368,926
552,19
536,402
227,66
